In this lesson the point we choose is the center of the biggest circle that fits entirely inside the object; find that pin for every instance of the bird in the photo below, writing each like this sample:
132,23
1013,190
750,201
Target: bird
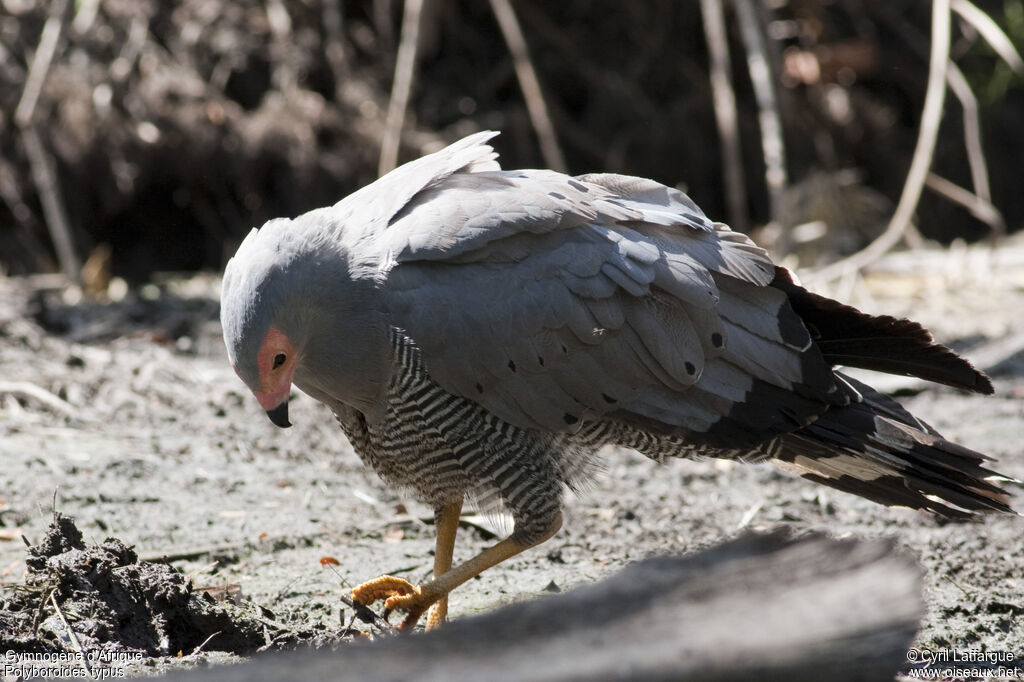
479,334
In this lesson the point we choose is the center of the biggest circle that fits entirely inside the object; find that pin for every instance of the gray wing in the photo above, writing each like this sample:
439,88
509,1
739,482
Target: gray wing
553,300
366,212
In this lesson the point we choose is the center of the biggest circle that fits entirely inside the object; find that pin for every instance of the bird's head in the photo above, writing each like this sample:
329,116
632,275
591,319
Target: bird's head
266,314
297,306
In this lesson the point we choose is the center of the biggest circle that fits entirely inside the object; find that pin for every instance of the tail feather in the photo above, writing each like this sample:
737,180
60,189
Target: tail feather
859,449
846,336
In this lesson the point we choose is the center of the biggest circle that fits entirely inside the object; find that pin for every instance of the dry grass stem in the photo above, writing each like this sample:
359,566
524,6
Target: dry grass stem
972,142
726,119
773,145
401,86
931,118
26,389
982,209
991,32
83,659
40,161
530,84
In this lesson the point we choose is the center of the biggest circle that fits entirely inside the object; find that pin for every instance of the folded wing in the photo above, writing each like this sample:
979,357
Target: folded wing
553,300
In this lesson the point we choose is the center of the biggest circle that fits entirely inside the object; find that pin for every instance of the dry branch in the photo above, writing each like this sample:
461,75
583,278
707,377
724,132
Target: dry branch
367,615
82,658
724,100
45,178
85,15
982,209
40,161
401,86
990,31
334,44
972,139
41,395
40,64
529,84
931,118
283,73
772,143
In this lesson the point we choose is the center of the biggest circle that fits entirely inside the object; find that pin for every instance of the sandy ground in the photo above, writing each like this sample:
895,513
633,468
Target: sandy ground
153,440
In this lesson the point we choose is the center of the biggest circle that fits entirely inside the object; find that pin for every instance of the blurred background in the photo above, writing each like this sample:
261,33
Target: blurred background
140,136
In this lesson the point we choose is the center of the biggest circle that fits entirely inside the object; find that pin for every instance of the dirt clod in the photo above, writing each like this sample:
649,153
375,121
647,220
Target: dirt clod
116,602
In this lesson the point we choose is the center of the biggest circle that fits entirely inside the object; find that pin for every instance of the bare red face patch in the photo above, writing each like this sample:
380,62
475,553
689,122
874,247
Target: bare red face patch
276,362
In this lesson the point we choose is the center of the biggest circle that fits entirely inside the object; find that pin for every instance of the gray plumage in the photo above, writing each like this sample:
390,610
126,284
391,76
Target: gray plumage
482,332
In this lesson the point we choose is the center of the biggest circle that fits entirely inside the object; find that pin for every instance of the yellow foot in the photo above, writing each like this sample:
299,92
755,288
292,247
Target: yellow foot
399,595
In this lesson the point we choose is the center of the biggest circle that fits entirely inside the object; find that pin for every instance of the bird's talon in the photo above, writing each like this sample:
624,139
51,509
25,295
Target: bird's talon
385,587
405,602
398,595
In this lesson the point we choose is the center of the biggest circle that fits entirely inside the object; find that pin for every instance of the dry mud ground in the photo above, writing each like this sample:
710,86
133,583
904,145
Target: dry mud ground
127,417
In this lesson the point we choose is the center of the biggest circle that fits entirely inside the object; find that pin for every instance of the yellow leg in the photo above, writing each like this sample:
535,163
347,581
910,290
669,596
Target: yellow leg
416,599
446,520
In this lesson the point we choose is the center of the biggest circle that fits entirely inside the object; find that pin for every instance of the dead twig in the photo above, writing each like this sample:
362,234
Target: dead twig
23,231
749,515
982,209
41,163
361,611
724,100
82,658
990,31
203,644
529,84
931,117
773,146
366,614
191,553
538,23
85,15
401,86
41,64
122,66
972,144
25,389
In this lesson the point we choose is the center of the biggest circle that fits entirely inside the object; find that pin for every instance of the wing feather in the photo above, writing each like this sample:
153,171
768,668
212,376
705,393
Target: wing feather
371,208
671,340
551,300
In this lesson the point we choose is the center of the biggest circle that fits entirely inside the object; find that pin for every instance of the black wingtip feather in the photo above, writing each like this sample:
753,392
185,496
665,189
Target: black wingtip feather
847,336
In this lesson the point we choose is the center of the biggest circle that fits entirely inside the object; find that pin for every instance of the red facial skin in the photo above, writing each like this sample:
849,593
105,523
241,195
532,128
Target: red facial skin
275,383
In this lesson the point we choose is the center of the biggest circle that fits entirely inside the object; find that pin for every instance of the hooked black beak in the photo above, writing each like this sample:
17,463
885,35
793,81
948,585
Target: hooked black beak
279,415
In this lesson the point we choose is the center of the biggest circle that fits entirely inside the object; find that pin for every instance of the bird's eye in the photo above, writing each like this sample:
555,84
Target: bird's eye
278,360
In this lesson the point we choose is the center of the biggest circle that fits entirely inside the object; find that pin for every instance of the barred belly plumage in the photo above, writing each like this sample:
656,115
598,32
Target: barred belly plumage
444,447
